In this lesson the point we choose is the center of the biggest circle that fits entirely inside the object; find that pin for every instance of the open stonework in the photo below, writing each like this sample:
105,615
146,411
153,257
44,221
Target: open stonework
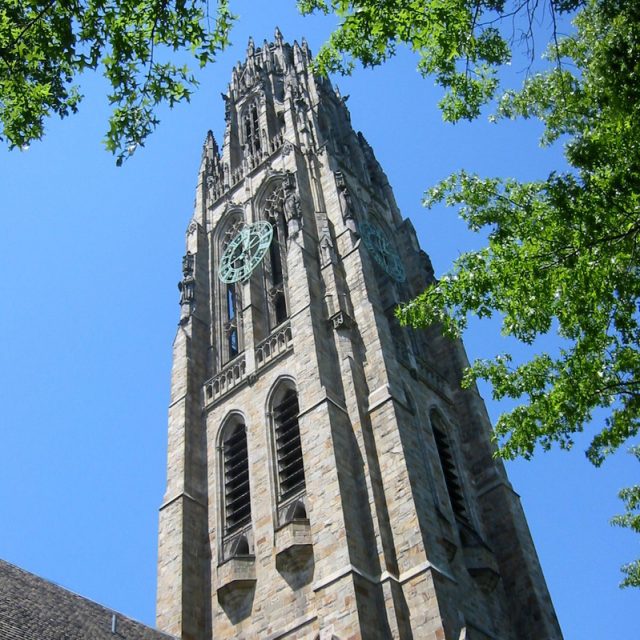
327,476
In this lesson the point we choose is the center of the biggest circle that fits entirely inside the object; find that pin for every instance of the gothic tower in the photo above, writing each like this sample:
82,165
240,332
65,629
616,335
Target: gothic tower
327,476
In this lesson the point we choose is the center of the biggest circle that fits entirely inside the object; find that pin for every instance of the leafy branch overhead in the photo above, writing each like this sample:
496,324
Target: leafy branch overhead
562,252
461,43
45,46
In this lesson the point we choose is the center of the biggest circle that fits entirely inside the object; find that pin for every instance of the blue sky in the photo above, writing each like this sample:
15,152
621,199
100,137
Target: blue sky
90,257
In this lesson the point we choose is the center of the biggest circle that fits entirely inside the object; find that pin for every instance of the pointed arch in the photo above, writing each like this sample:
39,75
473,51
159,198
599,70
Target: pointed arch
227,296
234,474
288,465
271,207
449,465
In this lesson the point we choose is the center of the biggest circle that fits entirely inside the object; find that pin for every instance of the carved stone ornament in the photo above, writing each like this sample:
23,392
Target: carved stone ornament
192,228
327,251
346,203
227,106
230,325
187,285
287,148
291,205
341,320
274,291
187,289
187,264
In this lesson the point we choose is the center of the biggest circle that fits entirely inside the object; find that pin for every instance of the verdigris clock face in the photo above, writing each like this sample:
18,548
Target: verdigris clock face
382,250
244,252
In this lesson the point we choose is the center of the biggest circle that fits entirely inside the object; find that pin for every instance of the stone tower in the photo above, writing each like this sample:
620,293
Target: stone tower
327,477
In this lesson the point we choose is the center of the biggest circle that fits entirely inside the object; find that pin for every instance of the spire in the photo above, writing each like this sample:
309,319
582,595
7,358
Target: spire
211,145
305,49
250,47
297,53
278,37
209,149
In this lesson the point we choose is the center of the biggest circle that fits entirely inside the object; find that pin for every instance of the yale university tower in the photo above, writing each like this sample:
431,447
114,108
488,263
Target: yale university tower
327,476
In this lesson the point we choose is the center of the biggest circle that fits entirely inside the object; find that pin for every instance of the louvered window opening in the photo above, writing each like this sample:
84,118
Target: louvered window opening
288,448
236,480
451,479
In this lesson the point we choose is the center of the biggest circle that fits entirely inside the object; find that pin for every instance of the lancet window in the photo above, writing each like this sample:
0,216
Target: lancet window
275,272
287,444
287,452
449,468
235,465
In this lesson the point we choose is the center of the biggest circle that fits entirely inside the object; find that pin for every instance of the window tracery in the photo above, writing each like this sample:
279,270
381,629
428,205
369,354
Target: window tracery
282,210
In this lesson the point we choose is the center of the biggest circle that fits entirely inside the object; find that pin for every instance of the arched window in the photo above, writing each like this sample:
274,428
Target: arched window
228,298
275,267
251,129
449,468
288,448
235,476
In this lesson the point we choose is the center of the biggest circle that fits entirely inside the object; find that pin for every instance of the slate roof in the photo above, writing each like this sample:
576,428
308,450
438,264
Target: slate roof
34,609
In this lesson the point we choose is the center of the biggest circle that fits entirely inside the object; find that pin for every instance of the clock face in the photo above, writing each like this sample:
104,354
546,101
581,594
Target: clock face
382,250
244,252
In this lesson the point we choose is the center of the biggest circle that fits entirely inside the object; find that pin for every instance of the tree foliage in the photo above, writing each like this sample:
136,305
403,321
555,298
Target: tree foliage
562,252
46,44
630,520
461,43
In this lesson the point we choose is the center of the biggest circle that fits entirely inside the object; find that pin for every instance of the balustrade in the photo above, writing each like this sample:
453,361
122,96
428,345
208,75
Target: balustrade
278,342
230,375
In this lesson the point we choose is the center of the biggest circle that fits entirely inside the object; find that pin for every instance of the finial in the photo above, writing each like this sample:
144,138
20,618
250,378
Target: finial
278,37
297,53
250,47
212,143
